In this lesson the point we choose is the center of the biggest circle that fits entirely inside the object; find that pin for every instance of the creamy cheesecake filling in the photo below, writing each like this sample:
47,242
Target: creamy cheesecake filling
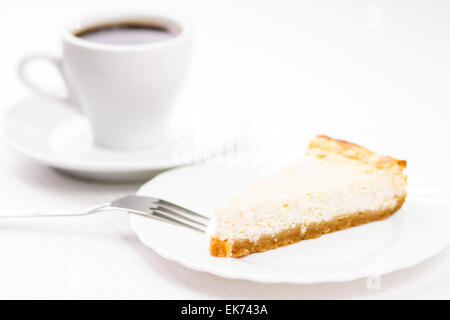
312,190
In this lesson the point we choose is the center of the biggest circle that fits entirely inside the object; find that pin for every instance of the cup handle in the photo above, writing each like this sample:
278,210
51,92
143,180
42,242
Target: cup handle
56,62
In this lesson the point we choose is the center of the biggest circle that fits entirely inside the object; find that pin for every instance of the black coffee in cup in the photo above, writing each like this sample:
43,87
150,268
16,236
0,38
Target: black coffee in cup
127,33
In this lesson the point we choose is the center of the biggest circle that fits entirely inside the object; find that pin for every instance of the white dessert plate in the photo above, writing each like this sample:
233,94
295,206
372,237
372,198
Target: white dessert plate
417,232
54,135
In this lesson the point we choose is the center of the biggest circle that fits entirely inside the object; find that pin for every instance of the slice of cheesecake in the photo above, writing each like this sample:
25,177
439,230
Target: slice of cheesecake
336,185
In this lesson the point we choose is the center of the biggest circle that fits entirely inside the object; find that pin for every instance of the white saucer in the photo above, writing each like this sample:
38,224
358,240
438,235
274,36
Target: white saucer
418,231
56,136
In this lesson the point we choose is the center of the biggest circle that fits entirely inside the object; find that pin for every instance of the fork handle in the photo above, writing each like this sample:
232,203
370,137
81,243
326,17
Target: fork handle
62,213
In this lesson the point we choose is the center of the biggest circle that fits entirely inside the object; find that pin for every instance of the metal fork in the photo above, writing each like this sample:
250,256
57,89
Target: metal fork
148,207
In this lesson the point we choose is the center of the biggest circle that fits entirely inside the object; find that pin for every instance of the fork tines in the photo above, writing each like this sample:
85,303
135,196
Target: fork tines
178,215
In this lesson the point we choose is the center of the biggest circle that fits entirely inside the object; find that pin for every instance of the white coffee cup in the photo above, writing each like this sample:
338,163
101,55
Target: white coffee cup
125,91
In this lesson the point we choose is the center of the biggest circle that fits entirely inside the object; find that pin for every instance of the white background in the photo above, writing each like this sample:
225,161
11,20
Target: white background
373,72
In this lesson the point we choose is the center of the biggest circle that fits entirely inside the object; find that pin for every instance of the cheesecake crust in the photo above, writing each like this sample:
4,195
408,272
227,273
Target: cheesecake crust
323,145
224,248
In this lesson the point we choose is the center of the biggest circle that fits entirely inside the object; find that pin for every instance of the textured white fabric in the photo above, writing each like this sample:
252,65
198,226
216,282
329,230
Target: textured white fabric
366,72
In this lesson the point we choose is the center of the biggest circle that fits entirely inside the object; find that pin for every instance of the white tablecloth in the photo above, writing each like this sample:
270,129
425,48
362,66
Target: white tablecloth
373,72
